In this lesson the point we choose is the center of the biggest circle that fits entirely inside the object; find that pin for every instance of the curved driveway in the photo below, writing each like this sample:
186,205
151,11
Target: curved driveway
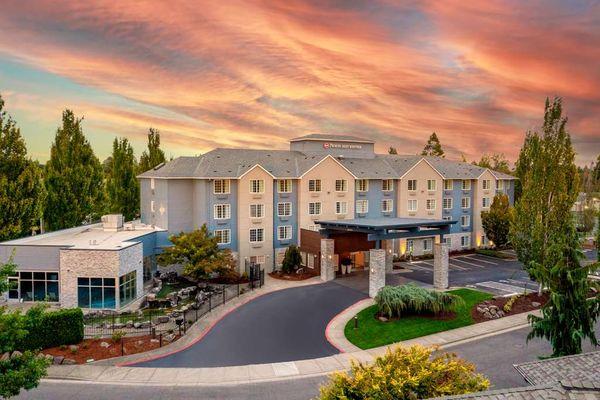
286,325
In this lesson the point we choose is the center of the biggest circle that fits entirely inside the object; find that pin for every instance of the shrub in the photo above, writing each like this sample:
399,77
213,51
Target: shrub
406,373
394,301
509,304
291,260
117,336
65,325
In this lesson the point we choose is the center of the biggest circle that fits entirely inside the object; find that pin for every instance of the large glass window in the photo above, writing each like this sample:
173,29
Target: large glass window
96,293
127,288
35,286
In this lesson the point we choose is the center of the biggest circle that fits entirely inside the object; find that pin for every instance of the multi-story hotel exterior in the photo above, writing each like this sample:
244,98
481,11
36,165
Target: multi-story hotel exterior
258,202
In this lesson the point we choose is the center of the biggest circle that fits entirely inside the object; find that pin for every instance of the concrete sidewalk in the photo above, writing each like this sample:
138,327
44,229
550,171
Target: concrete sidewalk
278,371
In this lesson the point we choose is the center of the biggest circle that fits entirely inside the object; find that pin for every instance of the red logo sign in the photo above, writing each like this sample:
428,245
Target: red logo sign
326,145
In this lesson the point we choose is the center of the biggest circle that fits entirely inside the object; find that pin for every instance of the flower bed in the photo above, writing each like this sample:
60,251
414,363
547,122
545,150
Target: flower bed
291,277
521,304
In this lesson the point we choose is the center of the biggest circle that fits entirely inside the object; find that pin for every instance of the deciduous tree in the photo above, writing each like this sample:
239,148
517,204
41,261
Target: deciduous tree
495,161
496,221
121,184
433,147
154,156
73,178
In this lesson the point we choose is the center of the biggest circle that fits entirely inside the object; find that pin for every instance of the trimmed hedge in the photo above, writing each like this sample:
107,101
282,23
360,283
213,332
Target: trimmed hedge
51,329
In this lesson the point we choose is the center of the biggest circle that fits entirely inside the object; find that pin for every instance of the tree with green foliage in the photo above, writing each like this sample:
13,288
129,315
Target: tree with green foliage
291,260
433,147
392,150
496,221
587,218
199,254
74,179
20,370
154,156
598,238
22,191
495,162
122,185
543,234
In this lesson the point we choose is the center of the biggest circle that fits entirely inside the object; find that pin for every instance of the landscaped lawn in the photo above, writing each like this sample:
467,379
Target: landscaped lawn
171,287
373,333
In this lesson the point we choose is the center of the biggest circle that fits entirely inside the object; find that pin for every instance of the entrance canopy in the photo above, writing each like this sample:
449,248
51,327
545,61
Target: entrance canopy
385,228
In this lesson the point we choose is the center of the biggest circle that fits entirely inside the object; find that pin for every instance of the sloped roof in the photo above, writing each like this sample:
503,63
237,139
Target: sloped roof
333,138
577,367
570,391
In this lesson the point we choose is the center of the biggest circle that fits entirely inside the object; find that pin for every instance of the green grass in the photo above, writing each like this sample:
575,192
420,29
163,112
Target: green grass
171,287
373,333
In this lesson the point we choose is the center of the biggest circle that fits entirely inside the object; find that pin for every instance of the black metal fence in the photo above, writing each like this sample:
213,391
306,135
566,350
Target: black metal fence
166,324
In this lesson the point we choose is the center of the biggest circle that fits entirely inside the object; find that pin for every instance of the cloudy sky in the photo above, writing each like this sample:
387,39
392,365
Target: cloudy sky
257,73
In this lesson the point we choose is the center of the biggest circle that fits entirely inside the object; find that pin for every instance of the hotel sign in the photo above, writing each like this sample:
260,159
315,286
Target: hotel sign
345,146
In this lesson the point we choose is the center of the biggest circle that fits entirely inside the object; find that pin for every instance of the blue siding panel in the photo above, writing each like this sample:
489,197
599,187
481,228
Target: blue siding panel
230,223
282,221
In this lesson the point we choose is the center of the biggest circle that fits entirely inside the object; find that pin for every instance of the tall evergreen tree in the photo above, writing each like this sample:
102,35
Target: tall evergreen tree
154,156
544,237
121,184
73,178
22,189
433,147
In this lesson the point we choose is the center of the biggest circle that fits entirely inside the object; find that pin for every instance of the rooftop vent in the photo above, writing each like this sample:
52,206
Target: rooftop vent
112,222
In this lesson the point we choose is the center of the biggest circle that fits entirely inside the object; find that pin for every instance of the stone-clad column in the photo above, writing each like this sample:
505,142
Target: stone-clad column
376,271
327,252
389,256
440,266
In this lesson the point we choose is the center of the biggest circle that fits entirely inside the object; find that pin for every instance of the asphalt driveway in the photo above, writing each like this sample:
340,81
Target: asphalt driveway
286,325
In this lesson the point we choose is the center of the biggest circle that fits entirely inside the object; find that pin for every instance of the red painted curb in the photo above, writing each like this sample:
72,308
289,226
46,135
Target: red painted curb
327,328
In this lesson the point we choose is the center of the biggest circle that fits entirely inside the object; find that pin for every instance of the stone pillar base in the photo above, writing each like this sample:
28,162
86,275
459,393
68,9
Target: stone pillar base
376,271
440,266
327,252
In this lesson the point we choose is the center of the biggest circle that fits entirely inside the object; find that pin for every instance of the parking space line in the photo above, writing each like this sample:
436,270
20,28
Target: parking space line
458,267
476,257
426,263
470,263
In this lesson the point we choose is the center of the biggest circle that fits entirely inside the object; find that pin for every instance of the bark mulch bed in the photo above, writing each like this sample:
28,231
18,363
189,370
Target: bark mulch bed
521,305
91,348
291,277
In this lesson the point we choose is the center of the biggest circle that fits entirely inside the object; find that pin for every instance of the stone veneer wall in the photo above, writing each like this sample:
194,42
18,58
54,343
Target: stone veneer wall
376,271
440,266
132,259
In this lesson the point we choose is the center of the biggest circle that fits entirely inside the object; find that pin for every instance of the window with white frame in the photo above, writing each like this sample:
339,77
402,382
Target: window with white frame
465,221
387,205
223,236
257,186
284,232
430,204
314,185
257,235
485,184
341,185
412,185
412,205
447,203
362,206
387,185
314,208
313,228
362,185
465,240
284,209
257,210
448,183
222,211
221,186
431,184
499,184
260,260
466,184
447,240
284,186
427,244
410,246
485,202
341,207
465,202
152,205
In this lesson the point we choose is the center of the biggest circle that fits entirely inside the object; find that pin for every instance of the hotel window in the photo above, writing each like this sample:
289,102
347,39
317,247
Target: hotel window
257,186
499,184
341,185
447,240
362,206
387,205
284,209
431,184
427,244
412,205
448,184
314,208
222,211
223,236
259,260
127,288
465,202
152,205
284,186
257,235
466,184
35,286
447,203
485,202
362,185
221,186
314,185
412,185
430,204
96,293
410,245
313,228
284,232
465,240
341,207
387,185
465,221
486,184
257,210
